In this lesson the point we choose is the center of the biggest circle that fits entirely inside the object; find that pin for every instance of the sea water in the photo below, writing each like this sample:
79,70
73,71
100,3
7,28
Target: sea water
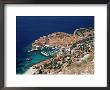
22,65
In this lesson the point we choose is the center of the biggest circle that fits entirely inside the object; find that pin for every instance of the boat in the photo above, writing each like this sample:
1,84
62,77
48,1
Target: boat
28,59
53,48
44,53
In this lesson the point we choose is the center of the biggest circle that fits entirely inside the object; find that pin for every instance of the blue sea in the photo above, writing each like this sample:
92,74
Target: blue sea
30,28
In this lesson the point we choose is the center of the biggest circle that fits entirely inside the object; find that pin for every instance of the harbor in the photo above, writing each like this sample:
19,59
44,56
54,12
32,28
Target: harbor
80,53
